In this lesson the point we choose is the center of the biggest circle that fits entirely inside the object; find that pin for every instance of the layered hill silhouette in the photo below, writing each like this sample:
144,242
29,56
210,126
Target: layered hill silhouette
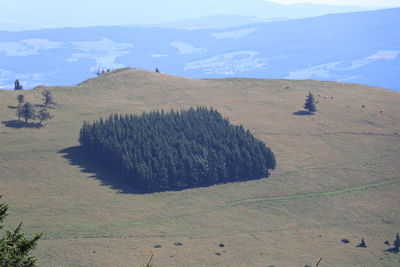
336,177
360,47
161,12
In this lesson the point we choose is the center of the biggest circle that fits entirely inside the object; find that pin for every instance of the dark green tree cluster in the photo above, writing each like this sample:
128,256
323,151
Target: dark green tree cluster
173,150
15,248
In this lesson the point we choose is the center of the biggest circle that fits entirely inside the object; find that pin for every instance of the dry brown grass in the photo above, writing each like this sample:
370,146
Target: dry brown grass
87,223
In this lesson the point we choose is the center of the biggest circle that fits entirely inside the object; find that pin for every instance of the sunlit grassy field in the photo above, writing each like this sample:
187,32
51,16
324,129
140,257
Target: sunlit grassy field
337,177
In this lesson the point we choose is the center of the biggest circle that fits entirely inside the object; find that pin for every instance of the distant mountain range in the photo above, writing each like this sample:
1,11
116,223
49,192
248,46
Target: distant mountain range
361,47
195,13
214,22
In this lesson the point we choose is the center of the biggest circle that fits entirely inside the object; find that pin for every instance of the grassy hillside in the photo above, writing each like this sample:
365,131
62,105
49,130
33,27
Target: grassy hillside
337,177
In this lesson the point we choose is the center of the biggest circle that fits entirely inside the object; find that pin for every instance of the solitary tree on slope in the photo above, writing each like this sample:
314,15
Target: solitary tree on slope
21,100
28,112
309,105
396,243
48,98
44,115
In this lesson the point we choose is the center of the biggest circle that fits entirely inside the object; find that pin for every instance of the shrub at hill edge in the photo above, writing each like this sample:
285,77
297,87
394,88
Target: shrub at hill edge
175,150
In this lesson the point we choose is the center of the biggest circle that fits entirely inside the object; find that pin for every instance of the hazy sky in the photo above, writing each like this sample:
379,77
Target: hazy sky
39,4
394,3
31,14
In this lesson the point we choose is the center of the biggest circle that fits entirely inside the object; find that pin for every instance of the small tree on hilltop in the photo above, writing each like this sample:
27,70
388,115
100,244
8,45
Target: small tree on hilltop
48,98
14,247
28,112
44,115
17,85
309,105
21,100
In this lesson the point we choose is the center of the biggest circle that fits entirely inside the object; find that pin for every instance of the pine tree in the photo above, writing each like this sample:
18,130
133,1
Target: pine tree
44,115
17,85
28,112
21,100
3,212
48,98
18,113
309,105
15,248
159,150
396,243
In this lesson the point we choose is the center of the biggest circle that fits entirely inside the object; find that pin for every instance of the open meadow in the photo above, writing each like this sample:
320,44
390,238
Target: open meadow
337,176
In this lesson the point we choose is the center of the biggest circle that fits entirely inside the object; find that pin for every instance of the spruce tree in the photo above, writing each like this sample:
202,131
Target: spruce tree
44,115
3,212
309,105
18,113
21,100
15,248
158,150
28,112
396,243
17,85
48,98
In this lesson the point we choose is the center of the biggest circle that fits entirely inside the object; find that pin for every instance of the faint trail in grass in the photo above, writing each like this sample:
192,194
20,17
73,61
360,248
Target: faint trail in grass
109,235
363,133
321,194
334,166
394,134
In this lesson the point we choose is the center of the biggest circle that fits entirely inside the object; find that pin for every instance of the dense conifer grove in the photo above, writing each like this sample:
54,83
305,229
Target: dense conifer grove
177,149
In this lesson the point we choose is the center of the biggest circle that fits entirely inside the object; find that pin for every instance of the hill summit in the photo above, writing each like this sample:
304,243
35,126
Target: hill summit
337,177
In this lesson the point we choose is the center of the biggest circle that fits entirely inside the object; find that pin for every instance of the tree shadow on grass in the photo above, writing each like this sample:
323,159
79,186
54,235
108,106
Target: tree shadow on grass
77,157
392,250
12,107
21,124
302,113
50,106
